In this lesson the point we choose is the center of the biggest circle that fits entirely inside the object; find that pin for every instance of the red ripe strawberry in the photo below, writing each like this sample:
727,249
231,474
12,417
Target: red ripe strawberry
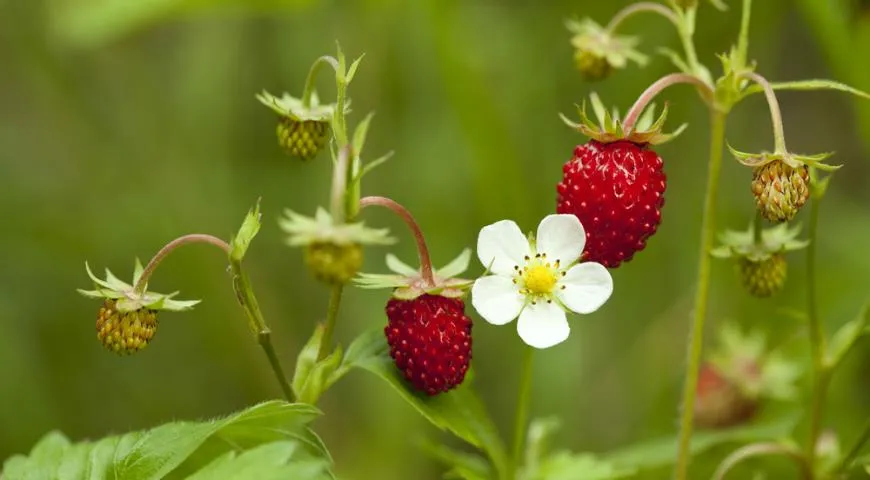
615,184
617,191
430,341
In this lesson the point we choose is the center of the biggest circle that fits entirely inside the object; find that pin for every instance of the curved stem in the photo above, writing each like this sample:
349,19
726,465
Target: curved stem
656,88
634,8
331,316
762,449
522,413
821,373
169,248
862,439
398,209
708,230
775,114
312,76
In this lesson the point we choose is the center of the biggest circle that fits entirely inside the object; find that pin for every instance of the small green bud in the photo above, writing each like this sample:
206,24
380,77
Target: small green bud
765,277
333,263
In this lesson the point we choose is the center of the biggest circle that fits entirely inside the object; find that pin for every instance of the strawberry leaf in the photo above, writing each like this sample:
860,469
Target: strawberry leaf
814,84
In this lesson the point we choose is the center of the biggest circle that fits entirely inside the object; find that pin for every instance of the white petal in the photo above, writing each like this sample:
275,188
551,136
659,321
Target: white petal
497,299
543,325
587,286
561,237
503,246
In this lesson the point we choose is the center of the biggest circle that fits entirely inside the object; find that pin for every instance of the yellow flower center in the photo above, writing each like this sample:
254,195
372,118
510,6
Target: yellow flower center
539,279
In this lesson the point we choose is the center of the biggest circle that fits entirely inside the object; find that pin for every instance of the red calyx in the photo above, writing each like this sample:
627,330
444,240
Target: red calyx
617,191
430,341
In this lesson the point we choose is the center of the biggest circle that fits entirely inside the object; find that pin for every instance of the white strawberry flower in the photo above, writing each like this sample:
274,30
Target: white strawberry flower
538,278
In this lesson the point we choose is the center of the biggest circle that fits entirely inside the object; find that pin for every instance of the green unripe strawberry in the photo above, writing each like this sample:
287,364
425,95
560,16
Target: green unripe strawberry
125,332
592,66
765,277
302,139
333,263
780,190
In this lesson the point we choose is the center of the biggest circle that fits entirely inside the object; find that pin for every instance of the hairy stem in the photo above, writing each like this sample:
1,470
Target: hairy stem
339,185
522,414
331,316
685,29
821,373
650,93
763,449
248,301
862,439
639,7
702,289
169,248
775,114
405,215
312,76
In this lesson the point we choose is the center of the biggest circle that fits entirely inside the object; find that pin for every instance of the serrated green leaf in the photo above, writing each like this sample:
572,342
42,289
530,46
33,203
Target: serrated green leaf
814,84
242,240
846,336
169,451
459,411
660,452
271,461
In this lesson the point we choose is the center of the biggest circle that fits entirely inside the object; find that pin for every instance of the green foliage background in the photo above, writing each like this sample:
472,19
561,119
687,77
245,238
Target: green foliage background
125,124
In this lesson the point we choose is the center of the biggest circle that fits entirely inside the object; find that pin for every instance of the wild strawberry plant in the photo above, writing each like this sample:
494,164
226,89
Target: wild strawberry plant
610,203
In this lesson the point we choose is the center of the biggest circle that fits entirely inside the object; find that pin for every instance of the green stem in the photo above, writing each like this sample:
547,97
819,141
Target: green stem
639,7
821,373
743,38
522,414
757,228
246,298
312,76
775,113
763,449
708,230
331,316
685,30
844,464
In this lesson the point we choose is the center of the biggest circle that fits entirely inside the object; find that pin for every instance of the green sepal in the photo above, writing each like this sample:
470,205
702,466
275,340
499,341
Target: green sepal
292,107
408,283
609,128
741,244
756,160
312,376
127,299
818,185
242,240
322,228
617,50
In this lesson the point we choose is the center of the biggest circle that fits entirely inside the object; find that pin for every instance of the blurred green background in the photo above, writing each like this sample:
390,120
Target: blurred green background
124,124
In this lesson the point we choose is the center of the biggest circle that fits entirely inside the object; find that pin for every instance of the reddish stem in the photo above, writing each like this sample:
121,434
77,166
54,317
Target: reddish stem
654,89
169,247
398,209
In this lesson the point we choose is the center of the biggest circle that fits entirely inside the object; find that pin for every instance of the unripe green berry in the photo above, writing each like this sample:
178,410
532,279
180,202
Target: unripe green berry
333,263
780,190
302,139
592,66
763,278
125,332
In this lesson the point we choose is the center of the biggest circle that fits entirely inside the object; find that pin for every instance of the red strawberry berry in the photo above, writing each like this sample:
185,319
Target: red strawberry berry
720,402
430,341
617,191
